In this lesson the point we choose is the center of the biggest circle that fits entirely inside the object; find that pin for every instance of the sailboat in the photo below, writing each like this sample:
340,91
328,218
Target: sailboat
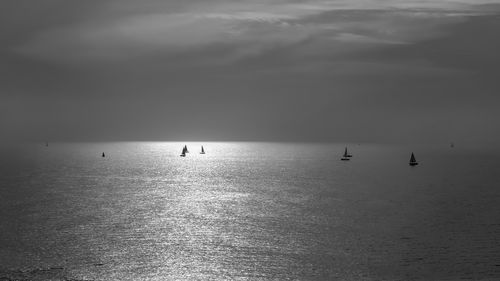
346,156
103,155
184,150
413,161
202,150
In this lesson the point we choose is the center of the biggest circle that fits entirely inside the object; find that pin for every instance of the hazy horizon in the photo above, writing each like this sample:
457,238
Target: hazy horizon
316,71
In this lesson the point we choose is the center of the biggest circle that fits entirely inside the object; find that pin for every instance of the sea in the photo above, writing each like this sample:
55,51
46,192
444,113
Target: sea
248,211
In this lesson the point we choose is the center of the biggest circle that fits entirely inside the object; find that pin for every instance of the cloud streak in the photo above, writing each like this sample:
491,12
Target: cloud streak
142,34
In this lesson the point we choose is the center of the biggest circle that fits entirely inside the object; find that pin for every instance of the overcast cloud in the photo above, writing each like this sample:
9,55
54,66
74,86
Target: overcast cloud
397,71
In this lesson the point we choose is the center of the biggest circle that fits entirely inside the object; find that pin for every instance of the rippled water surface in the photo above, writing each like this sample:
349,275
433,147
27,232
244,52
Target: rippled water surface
248,211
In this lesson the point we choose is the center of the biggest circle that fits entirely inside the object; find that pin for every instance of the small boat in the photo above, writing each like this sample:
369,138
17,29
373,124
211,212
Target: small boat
413,161
184,150
202,150
346,156
452,145
46,143
103,155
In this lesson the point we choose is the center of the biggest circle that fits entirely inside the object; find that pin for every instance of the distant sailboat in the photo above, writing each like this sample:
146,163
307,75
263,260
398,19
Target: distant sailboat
452,145
103,155
46,143
202,150
413,161
346,156
184,150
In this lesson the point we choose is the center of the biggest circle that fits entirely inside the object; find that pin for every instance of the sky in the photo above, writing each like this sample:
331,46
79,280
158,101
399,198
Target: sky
405,71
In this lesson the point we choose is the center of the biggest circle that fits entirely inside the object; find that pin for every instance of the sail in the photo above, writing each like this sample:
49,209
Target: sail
186,149
345,152
202,150
412,158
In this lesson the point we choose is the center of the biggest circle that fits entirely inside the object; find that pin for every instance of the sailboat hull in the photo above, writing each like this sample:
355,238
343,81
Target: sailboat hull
345,159
413,164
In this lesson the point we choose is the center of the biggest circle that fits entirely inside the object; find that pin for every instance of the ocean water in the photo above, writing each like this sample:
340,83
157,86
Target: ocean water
248,211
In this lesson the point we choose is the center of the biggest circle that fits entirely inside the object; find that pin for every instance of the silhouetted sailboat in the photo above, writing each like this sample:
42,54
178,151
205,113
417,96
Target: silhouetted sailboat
202,150
346,156
452,145
46,143
103,155
413,161
184,150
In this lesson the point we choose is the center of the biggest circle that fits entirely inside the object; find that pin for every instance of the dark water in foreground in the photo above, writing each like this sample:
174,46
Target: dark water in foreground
248,211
